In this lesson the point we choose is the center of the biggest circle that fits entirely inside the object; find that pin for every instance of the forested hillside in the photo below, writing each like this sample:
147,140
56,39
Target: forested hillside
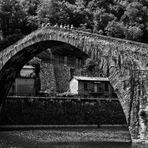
117,18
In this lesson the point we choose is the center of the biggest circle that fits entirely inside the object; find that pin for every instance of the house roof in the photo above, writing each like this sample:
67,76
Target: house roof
28,67
82,78
27,71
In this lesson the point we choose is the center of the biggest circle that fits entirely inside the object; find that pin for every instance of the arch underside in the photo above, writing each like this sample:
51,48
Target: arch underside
12,67
115,63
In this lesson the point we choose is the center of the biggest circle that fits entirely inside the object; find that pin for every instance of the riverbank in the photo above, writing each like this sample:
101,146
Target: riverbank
121,129
62,135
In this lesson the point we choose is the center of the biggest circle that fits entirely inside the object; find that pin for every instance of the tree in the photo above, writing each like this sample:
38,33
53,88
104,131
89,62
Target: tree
91,68
82,15
133,33
101,20
101,4
89,64
64,12
53,12
30,6
133,13
135,18
10,39
12,17
115,29
117,10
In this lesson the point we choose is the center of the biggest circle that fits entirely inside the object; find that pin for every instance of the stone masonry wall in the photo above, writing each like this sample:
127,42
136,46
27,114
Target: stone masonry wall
47,77
63,76
139,113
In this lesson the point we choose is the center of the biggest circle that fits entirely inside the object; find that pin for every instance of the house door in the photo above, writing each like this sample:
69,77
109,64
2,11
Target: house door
98,88
95,87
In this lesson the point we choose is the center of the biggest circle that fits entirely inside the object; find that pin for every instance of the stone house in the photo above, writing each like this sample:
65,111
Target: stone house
91,87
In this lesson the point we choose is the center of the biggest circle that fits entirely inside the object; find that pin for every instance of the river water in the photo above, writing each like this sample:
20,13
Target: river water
68,138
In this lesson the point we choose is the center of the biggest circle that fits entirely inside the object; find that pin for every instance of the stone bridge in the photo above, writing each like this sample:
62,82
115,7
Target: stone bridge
124,62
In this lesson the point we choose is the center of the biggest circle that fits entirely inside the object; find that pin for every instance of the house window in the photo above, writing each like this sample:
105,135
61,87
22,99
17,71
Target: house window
106,87
85,86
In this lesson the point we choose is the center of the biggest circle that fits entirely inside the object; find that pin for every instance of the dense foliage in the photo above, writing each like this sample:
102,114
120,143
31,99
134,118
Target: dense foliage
118,18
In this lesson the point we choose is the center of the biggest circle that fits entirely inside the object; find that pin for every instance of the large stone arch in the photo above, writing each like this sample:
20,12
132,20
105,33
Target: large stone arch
117,58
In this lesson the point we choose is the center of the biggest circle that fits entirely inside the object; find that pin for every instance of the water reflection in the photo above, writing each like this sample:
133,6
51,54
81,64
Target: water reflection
68,138
24,144
139,145
94,145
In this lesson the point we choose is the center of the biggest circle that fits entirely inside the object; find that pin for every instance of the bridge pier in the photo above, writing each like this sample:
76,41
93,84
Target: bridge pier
142,130
139,108
143,122
134,100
